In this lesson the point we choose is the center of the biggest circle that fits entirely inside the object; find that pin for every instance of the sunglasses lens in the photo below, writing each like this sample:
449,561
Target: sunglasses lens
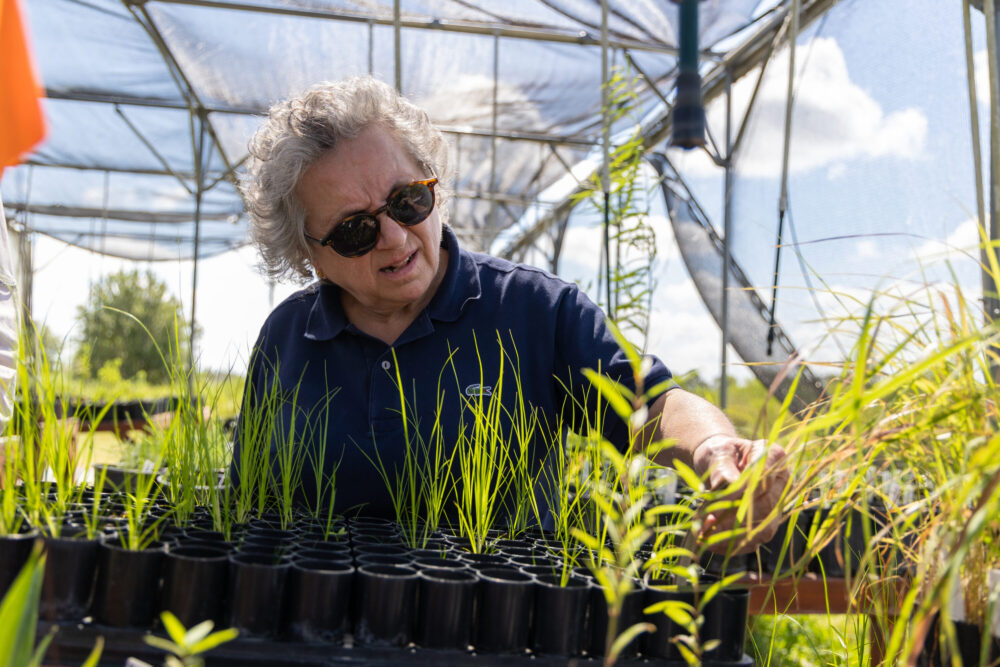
411,204
355,236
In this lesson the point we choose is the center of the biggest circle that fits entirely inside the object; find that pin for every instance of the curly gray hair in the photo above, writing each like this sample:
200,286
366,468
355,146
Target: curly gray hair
297,132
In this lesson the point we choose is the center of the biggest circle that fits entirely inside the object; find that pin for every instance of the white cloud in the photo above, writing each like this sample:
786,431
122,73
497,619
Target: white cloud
866,249
683,333
835,121
837,170
962,242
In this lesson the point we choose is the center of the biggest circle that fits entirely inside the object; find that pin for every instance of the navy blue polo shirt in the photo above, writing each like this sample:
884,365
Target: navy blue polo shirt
493,328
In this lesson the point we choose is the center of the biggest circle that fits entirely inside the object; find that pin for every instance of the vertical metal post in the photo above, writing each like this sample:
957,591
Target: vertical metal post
606,158
199,174
991,301
25,270
726,231
397,26
371,47
493,137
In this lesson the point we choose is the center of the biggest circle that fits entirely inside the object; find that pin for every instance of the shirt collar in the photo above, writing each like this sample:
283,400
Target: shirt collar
459,286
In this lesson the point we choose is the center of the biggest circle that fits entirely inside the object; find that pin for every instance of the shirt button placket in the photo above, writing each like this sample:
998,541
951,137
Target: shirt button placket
385,394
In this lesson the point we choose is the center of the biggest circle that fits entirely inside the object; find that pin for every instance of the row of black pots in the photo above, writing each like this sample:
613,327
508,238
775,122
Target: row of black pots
843,552
442,603
495,610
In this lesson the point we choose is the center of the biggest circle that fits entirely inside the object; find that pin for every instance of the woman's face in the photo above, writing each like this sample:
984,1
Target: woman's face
356,176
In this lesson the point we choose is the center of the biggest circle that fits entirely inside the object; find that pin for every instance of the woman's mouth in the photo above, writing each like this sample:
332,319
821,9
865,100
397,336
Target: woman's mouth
393,268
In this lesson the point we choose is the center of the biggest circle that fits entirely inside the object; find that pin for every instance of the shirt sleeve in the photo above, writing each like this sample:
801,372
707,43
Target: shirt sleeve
583,340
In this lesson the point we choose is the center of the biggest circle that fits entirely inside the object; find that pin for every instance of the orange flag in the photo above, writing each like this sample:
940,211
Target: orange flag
21,122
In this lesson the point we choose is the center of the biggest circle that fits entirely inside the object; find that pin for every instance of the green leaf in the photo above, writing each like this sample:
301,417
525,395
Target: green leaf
688,655
634,360
676,610
586,540
689,476
43,646
215,639
94,659
197,633
627,637
162,644
618,396
19,612
175,629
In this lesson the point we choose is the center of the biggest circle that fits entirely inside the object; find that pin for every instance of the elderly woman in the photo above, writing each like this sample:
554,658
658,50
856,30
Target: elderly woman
348,182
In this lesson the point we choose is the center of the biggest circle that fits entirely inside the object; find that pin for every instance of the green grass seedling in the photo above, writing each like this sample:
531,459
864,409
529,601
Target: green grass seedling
185,647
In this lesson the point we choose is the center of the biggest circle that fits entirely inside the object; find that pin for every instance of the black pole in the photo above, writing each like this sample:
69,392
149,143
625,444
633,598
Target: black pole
689,114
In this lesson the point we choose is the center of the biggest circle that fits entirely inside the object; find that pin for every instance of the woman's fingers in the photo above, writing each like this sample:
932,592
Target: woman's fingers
726,460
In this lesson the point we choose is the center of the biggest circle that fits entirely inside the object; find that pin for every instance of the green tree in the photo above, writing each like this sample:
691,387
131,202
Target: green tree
108,337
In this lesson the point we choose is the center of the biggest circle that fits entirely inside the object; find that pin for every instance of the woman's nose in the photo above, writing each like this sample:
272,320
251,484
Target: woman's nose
391,233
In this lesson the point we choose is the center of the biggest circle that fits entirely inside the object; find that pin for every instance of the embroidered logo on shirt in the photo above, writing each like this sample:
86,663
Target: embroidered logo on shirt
474,389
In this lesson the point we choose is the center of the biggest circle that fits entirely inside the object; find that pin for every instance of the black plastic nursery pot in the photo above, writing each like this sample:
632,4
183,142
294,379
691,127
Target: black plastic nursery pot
194,583
771,557
845,550
560,615
70,571
506,601
319,597
126,592
968,642
447,599
256,591
386,601
14,551
659,644
726,621
631,613
118,478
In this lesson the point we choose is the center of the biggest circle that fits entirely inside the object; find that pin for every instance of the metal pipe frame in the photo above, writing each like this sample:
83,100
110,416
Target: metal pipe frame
738,63
125,100
122,215
468,27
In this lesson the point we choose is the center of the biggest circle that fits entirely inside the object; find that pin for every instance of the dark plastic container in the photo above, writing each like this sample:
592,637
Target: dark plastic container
194,583
726,620
319,597
14,551
127,585
506,602
381,559
440,564
386,601
631,613
560,615
256,593
774,559
322,555
969,639
70,572
658,644
485,560
446,602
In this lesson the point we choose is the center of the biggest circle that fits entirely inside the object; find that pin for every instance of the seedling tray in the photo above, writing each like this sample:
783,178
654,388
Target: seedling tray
74,641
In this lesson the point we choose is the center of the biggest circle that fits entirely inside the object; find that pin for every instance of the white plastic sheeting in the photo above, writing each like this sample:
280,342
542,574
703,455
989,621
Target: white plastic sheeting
129,82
